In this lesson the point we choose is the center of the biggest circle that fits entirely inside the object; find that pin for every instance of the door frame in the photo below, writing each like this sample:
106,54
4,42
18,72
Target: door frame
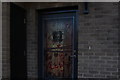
68,9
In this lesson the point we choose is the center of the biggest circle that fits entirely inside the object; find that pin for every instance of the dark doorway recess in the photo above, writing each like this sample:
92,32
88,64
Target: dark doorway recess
58,43
17,43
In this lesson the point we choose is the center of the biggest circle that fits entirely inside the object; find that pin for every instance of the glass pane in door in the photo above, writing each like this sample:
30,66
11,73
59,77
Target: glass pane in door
58,47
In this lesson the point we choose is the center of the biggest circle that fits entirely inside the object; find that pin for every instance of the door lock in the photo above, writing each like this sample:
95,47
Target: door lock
74,51
73,56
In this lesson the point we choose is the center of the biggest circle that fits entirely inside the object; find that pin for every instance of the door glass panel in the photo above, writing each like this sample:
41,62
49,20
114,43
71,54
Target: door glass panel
58,47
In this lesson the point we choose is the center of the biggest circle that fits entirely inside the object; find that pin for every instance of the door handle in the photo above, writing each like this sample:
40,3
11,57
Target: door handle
73,56
74,51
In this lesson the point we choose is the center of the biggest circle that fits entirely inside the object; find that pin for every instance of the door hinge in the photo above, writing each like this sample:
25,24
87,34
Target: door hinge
24,20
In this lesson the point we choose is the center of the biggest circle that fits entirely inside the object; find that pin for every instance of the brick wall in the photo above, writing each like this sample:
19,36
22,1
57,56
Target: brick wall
119,40
97,41
5,41
32,50
0,40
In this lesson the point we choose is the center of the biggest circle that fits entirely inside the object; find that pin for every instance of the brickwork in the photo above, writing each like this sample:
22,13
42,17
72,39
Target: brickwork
119,40
97,41
0,40
32,41
5,40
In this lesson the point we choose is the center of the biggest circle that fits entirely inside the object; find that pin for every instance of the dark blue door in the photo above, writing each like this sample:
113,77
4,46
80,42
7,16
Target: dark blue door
59,52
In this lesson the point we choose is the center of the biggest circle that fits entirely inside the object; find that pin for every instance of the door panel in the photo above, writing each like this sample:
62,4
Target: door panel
18,43
58,44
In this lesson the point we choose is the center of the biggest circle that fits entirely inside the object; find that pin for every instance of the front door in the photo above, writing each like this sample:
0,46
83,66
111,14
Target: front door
59,52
